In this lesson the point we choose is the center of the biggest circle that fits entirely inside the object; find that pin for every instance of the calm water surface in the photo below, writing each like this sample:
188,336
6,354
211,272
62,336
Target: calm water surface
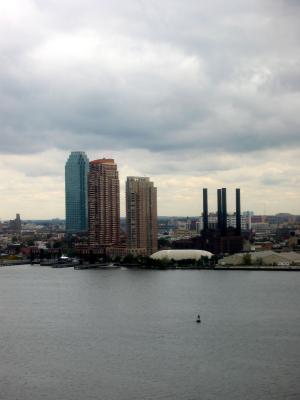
122,334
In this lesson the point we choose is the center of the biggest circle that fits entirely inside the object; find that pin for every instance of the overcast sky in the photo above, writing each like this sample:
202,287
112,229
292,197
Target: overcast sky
191,93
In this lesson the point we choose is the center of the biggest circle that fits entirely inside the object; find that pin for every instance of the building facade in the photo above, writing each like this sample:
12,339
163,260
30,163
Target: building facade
103,203
76,174
15,225
141,214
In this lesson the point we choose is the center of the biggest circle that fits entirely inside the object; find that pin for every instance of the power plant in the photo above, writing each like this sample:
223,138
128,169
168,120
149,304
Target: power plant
222,211
219,238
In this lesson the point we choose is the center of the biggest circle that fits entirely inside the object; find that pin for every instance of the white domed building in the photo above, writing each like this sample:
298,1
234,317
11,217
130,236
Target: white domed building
177,255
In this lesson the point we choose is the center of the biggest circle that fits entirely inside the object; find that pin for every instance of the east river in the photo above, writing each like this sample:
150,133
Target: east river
131,334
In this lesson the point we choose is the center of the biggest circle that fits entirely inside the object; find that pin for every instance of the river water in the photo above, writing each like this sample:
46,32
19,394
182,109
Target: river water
131,334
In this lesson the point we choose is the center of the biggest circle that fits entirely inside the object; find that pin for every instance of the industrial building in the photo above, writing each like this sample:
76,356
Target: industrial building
220,239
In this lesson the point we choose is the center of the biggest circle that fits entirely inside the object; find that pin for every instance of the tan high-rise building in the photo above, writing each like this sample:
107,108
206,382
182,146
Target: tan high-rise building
141,214
103,203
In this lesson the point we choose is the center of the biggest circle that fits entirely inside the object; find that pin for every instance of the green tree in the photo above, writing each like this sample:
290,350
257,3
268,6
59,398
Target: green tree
163,242
247,259
130,259
259,261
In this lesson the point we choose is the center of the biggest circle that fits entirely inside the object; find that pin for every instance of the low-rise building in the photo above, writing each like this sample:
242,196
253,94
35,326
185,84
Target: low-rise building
267,257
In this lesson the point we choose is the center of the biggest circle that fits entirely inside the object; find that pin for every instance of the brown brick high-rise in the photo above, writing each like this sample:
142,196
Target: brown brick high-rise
103,203
141,214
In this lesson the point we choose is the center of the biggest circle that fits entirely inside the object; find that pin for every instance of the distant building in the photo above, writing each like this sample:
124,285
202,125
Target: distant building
141,214
119,251
248,213
262,230
231,222
257,219
15,225
76,173
103,203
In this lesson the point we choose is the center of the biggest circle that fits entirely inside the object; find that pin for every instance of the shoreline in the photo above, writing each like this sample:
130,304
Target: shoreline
102,266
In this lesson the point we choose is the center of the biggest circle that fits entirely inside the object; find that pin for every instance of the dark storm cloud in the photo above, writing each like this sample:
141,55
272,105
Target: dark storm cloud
163,76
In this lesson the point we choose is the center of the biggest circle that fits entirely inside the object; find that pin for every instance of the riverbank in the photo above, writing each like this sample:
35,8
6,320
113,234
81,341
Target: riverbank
257,268
153,267
189,268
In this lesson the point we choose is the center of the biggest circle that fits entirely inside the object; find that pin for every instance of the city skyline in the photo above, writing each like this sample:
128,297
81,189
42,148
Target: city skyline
190,201
192,95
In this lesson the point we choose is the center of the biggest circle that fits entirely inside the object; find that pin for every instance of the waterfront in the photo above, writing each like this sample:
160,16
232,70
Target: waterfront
131,334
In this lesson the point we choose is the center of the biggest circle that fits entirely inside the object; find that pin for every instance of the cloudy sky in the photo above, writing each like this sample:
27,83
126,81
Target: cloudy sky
191,93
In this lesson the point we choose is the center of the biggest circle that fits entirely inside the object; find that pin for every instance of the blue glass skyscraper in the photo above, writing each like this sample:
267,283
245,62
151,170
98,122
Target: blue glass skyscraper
76,175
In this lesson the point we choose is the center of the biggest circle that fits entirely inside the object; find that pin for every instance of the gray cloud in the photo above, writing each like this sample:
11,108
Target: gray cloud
183,88
149,75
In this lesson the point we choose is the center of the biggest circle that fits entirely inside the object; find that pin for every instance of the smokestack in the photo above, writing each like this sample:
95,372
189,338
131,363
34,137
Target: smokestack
224,211
238,211
219,194
205,210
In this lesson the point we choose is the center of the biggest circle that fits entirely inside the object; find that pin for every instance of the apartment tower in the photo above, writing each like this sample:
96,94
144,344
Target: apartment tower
141,214
76,174
103,203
